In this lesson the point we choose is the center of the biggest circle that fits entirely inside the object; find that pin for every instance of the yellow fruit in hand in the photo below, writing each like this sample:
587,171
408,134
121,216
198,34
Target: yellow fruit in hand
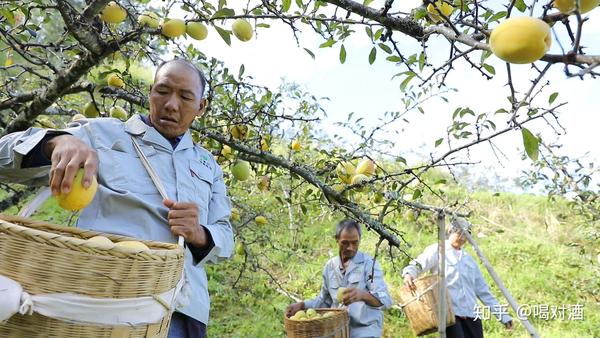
115,80
118,113
360,179
235,214
173,28
113,13
568,6
239,131
345,171
366,167
434,13
260,220
521,39
196,30
339,295
240,170
296,145
90,110
78,197
242,29
149,19
133,245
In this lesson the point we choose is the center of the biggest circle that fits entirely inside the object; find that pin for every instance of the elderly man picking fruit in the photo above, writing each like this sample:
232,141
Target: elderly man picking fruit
347,280
127,202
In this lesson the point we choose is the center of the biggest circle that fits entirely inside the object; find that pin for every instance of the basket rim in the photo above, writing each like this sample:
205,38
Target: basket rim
28,227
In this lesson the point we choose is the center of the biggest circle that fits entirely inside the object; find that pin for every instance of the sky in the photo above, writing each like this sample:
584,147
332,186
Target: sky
369,90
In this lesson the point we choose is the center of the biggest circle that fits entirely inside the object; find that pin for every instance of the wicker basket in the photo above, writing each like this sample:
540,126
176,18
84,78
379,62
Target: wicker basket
335,326
420,306
46,258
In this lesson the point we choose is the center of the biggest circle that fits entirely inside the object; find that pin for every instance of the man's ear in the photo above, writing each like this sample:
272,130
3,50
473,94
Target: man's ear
202,107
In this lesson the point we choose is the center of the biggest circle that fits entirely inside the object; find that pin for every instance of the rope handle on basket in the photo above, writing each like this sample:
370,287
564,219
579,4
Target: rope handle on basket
419,295
155,179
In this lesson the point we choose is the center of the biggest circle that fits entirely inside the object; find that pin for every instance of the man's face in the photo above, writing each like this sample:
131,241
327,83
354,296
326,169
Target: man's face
348,243
457,240
175,99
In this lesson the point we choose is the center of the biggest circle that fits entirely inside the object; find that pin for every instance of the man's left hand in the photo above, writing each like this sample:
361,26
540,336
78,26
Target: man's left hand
183,220
352,295
508,325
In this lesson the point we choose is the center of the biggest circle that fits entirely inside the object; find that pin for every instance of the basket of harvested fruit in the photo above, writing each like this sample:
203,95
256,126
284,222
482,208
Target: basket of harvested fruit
58,281
313,323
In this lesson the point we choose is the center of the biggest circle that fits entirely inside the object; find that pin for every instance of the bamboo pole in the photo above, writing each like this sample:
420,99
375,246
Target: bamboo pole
441,221
464,224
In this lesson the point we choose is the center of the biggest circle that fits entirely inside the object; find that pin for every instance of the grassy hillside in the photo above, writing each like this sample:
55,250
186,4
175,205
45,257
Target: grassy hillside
545,256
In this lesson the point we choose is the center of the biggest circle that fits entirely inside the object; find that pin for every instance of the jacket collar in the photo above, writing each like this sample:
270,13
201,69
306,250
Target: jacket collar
135,126
355,261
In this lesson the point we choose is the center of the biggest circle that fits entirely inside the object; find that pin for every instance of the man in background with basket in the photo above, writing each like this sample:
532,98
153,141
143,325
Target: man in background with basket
127,201
465,284
355,280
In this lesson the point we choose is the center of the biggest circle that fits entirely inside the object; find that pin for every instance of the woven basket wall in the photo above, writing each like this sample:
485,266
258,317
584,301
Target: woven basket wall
47,258
335,326
421,309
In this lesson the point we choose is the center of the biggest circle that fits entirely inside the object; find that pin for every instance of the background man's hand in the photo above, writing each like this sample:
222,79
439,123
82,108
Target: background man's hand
293,308
183,220
508,325
409,282
352,295
67,154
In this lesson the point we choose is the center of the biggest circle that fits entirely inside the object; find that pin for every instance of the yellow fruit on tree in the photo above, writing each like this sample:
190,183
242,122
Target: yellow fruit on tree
339,295
118,113
78,197
149,19
196,30
264,144
239,249
113,13
360,179
521,40
239,131
90,110
410,215
296,145
260,220
133,245
115,80
440,6
242,29
345,171
227,152
173,28
366,167
240,170
569,6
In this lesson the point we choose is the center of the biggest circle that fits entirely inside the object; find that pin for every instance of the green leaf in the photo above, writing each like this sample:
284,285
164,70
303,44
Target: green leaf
439,141
327,43
286,5
299,3
394,58
416,194
372,55
489,68
422,58
342,54
552,98
369,32
521,6
225,35
385,48
225,12
531,143
241,72
367,2
263,25
404,83
309,52
497,16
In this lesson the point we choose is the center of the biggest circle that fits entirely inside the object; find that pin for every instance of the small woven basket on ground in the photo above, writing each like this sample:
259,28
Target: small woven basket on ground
46,258
421,306
335,326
